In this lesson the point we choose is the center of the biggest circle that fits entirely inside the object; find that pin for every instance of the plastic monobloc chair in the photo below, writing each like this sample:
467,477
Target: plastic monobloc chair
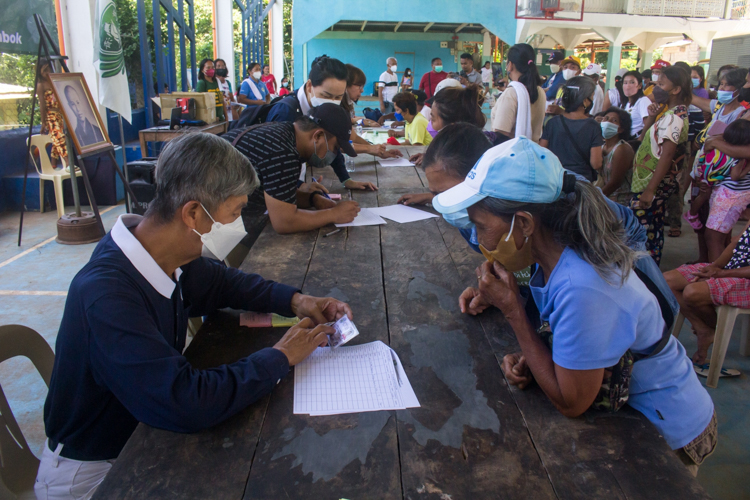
18,465
726,317
47,172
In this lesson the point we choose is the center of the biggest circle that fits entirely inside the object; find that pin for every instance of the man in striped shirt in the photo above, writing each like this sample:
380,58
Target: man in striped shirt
277,151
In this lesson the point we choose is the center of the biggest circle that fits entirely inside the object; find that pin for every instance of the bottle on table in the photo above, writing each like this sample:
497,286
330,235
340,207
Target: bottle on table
349,162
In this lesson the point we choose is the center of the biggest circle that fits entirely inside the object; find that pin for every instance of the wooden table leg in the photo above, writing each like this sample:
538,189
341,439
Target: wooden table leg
144,151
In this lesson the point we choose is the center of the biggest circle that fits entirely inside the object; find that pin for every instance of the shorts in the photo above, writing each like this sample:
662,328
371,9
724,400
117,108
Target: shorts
696,451
733,292
726,207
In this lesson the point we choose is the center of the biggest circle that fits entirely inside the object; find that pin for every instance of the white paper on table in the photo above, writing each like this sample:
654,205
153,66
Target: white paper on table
352,379
388,123
364,218
395,162
402,214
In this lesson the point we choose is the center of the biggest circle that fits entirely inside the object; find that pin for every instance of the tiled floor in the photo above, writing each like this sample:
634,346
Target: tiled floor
49,268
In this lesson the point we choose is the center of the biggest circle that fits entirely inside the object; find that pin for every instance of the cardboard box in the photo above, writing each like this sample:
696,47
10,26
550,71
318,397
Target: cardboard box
205,104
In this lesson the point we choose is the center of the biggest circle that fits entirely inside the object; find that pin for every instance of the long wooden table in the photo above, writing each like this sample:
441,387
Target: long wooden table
158,134
474,436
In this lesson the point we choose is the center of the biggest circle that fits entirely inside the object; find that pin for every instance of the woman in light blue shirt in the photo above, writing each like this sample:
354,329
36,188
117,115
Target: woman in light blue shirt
526,210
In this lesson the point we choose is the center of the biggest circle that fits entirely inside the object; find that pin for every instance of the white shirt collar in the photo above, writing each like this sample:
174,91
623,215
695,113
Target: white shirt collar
302,98
139,256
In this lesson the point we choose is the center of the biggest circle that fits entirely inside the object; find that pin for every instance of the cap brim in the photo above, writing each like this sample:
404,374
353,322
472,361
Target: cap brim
346,146
456,198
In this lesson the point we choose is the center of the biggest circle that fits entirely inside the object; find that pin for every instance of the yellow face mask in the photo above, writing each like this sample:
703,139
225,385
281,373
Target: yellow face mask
507,254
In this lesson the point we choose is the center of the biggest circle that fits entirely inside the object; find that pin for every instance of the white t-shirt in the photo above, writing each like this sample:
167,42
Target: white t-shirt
486,75
638,113
388,92
426,112
614,97
598,104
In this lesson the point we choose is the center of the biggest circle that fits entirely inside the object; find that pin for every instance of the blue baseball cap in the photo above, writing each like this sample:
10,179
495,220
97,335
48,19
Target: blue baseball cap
516,170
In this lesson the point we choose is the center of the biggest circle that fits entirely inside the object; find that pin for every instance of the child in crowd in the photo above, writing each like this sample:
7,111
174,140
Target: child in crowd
284,90
713,167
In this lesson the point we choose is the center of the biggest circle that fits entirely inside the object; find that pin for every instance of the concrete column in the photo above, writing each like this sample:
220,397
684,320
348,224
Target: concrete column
613,63
276,40
78,32
486,47
570,52
225,37
305,68
647,60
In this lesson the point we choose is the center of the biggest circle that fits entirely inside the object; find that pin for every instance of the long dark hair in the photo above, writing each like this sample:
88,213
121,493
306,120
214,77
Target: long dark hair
324,67
680,78
457,148
354,76
635,74
522,56
458,104
701,75
201,75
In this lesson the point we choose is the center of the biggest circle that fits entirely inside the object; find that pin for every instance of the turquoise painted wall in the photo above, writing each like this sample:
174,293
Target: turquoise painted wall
312,17
369,51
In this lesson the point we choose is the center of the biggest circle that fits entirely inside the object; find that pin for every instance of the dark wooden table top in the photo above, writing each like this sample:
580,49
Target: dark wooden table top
474,436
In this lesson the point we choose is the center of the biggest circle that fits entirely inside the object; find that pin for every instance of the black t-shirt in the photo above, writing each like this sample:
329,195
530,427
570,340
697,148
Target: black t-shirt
272,150
587,134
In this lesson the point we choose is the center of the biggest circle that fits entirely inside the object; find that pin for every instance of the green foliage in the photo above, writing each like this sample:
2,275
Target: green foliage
19,70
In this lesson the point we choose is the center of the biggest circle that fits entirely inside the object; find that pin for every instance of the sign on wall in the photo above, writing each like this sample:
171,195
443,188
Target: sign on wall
18,33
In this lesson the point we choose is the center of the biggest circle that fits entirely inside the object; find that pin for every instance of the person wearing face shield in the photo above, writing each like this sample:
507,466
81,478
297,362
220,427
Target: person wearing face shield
527,210
277,151
327,83
119,350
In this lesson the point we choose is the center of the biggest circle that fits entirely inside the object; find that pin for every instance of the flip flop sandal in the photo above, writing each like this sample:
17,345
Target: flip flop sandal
693,220
674,233
702,370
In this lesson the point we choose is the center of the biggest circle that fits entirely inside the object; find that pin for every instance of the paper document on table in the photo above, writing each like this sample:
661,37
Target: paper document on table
364,218
352,379
402,214
395,162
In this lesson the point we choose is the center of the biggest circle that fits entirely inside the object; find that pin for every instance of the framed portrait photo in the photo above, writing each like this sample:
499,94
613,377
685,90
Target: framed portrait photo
80,111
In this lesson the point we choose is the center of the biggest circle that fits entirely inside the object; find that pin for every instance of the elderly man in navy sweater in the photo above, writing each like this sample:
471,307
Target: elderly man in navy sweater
119,349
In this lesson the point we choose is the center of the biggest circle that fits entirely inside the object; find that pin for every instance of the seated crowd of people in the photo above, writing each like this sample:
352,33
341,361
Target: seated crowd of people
568,187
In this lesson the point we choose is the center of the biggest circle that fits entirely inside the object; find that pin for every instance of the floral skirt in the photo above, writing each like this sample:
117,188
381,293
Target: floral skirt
652,218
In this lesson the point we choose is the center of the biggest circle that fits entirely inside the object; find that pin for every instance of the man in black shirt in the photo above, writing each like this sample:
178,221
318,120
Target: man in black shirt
277,151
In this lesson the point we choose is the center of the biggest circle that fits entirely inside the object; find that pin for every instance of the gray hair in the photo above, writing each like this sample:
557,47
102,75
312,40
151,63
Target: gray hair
199,167
581,221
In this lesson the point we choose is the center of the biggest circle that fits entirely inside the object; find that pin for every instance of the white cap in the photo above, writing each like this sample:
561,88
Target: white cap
448,82
592,69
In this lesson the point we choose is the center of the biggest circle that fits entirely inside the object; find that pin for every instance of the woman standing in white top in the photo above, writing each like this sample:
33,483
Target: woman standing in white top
637,104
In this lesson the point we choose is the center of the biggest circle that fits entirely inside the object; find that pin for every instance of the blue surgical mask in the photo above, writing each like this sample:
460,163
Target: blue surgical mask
696,82
399,117
459,220
609,129
725,96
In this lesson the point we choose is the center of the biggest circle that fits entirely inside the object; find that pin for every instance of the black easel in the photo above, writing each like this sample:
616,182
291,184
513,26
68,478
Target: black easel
52,55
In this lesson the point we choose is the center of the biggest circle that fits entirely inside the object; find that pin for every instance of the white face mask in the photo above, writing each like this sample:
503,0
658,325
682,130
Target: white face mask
654,77
317,101
394,68
554,68
256,75
569,73
223,237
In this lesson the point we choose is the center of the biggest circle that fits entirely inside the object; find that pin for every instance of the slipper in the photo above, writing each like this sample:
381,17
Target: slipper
693,220
702,370
674,233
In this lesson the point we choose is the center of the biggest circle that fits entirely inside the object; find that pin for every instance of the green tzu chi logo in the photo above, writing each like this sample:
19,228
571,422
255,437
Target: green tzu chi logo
111,60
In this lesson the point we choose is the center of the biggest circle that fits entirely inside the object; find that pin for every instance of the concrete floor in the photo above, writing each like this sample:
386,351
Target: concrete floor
35,277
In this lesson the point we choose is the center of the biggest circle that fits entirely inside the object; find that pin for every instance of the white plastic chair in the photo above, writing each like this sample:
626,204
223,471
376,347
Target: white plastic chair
47,172
727,315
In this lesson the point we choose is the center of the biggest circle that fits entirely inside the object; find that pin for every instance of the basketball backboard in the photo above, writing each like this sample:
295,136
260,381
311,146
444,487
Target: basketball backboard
550,10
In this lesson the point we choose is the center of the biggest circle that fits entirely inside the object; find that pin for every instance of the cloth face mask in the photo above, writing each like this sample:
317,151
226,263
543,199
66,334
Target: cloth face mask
318,162
222,238
508,254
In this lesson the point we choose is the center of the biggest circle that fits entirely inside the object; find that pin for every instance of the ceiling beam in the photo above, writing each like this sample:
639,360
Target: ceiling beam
398,25
364,23
428,26
460,27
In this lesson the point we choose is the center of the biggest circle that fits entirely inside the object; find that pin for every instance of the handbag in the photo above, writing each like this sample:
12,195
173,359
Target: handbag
615,389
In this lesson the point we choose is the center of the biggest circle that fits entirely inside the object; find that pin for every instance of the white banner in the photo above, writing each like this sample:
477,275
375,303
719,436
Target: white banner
109,60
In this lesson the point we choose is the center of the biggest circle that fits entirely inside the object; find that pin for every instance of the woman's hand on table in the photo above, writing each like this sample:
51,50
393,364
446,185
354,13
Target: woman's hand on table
472,302
352,184
416,159
499,288
302,339
415,199
380,151
319,309
516,370
370,123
